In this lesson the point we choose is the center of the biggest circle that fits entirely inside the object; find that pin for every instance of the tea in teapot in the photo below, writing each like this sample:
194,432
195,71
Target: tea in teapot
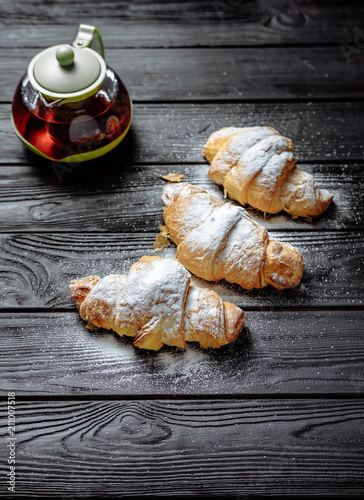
70,106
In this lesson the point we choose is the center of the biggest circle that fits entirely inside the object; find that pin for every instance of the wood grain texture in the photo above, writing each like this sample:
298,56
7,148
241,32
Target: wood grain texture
279,411
127,197
183,448
234,74
36,268
176,133
277,353
188,23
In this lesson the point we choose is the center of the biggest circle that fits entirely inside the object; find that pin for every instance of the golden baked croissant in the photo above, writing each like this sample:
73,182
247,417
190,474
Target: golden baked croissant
256,167
156,304
217,240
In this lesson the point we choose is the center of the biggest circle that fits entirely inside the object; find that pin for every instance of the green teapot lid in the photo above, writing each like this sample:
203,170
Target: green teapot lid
71,73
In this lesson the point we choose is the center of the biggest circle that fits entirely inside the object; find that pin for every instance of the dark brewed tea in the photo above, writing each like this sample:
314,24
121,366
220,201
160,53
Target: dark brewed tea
61,130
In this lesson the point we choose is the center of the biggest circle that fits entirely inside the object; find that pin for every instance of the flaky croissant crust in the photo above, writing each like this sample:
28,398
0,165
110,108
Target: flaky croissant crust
256,167
217,240
156,304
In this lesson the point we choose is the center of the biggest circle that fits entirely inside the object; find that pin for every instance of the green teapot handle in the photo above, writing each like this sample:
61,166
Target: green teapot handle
89,36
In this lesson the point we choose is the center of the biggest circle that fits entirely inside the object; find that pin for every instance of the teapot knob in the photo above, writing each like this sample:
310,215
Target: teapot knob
65,55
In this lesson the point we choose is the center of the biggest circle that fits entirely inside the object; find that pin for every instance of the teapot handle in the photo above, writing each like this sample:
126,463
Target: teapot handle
89,36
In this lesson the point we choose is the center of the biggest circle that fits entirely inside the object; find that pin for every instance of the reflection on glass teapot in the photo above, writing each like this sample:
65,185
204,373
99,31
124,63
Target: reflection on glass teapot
70,106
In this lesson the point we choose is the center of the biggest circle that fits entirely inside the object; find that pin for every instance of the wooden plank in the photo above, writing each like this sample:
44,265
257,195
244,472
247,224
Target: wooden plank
78,199
176,133
36,268
187,23
234,74
239,448
277,353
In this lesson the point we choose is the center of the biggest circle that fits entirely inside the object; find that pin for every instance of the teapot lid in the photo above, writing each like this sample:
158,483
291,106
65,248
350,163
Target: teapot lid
65,72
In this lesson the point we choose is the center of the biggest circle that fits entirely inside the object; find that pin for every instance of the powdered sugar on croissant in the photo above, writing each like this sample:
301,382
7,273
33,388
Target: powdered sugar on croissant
217,240
256,167
156,304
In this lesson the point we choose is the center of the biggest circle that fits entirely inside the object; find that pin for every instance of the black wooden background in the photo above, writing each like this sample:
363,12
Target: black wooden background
278,412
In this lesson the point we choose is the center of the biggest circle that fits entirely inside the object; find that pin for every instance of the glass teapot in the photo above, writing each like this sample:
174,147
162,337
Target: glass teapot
70,106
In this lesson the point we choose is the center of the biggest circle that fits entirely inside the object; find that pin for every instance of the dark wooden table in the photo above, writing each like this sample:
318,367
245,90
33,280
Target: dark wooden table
278,412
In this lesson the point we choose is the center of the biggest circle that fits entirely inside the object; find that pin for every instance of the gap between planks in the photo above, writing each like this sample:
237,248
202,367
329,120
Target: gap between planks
254,396
263,100
323,161
65,310
154,233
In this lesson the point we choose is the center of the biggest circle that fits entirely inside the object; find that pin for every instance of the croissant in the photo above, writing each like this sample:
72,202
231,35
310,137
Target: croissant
156,304
217,240
256,167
